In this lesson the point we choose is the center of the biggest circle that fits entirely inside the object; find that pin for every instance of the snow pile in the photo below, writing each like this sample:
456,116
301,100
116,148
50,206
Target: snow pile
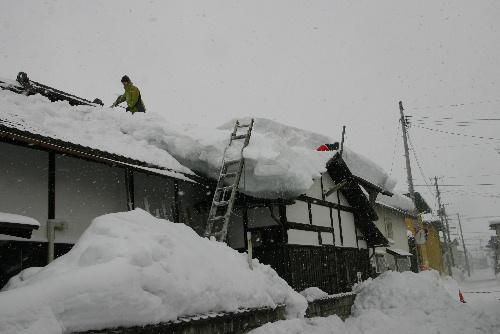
313,293
17,219
397,202
281,161
397,303
133,269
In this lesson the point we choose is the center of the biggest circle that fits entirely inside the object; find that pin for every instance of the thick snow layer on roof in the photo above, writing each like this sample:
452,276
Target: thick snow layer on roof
396,201
110,130
366,169
281,161
17,219
397,303
132,269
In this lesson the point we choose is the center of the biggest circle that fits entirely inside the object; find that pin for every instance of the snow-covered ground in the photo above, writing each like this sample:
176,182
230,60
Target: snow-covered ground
401,303
132,269
281,161
482,292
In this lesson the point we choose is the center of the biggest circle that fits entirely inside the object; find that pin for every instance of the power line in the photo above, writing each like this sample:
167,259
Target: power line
457,105
458,185
394,149
428,187
457,134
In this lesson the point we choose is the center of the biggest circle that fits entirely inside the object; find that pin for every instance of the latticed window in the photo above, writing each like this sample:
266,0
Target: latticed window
388,227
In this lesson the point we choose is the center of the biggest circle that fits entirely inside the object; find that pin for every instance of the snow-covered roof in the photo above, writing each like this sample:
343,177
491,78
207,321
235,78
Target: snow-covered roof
494,223
132,269
17,225
17,219
367,170
281,161
396,202
398,251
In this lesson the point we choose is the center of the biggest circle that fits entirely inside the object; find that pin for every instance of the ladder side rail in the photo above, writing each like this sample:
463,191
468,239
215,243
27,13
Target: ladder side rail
231,203
225,227
220,182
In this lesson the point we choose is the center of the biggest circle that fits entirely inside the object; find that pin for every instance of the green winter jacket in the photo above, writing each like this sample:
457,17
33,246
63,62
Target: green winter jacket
133,97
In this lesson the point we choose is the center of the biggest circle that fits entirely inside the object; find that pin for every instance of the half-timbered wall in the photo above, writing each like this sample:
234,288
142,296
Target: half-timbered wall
319,213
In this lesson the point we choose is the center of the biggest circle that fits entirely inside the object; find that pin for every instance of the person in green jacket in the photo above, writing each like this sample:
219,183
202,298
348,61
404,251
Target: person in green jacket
132,96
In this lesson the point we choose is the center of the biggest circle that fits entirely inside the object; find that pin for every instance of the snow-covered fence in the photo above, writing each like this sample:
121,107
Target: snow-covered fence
339,305
237,322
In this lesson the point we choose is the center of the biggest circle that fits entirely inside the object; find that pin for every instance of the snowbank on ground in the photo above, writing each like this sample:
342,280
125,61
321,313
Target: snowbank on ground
281,161
395,302
133,269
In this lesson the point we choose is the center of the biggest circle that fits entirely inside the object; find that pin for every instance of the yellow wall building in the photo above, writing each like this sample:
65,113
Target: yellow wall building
431,253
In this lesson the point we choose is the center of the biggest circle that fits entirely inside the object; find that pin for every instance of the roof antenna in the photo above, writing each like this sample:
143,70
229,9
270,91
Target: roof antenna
342,142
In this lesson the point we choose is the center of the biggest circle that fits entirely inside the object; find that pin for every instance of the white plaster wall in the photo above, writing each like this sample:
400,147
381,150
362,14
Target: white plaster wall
24,185
298,212
327,185
398,226
348,229
298,237
321,215
362,244
315,190
326,238
85,190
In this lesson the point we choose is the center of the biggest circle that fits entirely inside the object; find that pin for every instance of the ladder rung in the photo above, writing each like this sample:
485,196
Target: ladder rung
239,137
233,174
216,218
221,203
231,162
225,188
243,125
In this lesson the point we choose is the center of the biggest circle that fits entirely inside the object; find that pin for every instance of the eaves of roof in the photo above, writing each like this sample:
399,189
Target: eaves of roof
9,133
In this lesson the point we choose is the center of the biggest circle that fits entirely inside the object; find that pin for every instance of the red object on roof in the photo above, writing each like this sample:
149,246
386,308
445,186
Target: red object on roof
328,147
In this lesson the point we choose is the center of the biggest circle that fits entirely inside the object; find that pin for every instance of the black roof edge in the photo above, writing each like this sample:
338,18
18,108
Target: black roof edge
17,230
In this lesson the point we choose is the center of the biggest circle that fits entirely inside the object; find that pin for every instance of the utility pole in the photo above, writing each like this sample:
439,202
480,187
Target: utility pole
411,189
440,212
449,238
463,244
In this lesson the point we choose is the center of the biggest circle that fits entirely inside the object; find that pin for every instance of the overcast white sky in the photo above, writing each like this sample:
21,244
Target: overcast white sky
316,65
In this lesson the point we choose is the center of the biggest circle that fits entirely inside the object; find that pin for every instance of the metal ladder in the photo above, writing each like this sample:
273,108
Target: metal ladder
225,192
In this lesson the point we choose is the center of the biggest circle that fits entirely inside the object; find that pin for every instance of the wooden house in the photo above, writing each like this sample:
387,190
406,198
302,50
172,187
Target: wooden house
320,238
394,213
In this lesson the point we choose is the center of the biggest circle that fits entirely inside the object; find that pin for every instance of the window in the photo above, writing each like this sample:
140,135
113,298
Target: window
388,228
